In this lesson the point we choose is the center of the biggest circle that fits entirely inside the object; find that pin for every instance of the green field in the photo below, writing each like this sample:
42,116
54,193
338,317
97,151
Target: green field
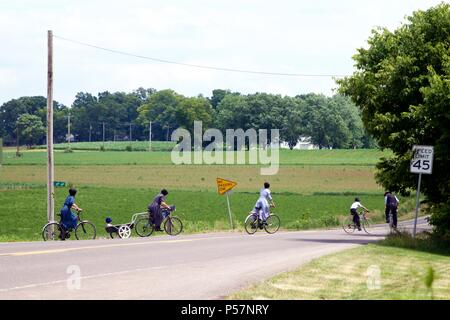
23,211
312,188
287,157
115,145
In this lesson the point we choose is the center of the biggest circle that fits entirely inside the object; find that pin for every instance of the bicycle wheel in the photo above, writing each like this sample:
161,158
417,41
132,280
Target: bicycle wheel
173,226
272,224
348,225
85,230
251,224
51,231
143,227
367,225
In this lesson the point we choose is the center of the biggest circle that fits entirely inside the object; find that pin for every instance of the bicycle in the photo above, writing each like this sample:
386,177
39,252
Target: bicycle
366,223
172,225
57,231
392,228
252,223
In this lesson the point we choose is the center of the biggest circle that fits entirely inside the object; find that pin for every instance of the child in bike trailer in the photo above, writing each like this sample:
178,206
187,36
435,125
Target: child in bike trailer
262,206
155,208
355,205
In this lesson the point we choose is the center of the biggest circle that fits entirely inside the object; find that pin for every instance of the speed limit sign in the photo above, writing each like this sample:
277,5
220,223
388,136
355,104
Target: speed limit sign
422,161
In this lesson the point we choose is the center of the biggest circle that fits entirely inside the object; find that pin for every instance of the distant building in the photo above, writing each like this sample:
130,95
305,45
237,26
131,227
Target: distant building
70,138
303,143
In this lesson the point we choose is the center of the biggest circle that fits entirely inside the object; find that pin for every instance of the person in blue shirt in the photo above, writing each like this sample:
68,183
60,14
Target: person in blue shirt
68,218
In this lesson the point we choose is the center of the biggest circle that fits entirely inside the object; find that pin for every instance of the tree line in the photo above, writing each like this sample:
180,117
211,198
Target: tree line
330,122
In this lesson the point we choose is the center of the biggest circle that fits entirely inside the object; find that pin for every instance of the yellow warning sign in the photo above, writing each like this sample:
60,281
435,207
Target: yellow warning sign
224,185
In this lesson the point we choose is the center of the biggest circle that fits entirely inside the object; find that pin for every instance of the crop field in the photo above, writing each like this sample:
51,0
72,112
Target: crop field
312,189
115,146
287,157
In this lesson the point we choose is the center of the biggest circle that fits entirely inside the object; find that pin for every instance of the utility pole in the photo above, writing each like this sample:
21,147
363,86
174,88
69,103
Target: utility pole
103,136
50,160
150,136
90,130
68,130
167,138
130,135
17,139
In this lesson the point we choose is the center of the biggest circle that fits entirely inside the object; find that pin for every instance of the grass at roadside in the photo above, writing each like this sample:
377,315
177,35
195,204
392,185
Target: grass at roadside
23,208
369,272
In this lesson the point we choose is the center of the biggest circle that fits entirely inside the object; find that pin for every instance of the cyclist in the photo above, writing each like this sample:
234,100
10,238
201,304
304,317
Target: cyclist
391,207
263,204
154,208
355,205
68,218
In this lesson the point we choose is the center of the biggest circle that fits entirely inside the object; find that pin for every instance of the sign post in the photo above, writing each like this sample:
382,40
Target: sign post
224,187
422,162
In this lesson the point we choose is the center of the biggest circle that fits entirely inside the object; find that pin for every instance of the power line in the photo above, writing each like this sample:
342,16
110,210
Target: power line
200,66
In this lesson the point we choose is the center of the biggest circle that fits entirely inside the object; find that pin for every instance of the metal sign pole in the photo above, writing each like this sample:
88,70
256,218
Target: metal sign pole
417,204
229,210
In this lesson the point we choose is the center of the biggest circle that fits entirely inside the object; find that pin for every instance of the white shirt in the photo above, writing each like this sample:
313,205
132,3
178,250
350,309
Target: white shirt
356,205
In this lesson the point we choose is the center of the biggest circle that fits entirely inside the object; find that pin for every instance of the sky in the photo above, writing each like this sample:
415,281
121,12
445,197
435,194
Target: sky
302,37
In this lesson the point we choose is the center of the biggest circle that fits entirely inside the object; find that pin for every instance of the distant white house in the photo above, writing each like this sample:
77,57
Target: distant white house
303,143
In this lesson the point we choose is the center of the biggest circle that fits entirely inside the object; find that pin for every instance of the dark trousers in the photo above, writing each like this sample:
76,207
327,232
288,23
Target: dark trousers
355,215
391,210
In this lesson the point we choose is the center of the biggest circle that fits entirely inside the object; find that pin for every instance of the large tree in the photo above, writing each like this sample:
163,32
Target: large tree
11,110
161,109
31,129
402,87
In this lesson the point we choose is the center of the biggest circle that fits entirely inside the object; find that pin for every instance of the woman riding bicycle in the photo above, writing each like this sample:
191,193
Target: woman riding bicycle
68,218
263,204
155,208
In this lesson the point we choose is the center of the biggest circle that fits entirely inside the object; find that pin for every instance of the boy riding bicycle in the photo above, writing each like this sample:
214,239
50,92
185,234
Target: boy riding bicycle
353,211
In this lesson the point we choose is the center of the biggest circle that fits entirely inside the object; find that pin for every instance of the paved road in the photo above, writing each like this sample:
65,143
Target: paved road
206,266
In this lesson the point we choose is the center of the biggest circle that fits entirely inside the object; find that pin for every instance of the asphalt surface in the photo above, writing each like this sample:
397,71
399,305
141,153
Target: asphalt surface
202,266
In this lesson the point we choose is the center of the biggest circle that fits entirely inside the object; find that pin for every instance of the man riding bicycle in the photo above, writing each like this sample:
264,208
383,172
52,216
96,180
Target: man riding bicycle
155,208
391,207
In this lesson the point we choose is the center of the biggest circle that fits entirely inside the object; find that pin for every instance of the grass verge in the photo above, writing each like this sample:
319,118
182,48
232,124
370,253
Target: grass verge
389,270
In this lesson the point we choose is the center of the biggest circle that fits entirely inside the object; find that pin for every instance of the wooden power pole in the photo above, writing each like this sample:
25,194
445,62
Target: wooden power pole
50,160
